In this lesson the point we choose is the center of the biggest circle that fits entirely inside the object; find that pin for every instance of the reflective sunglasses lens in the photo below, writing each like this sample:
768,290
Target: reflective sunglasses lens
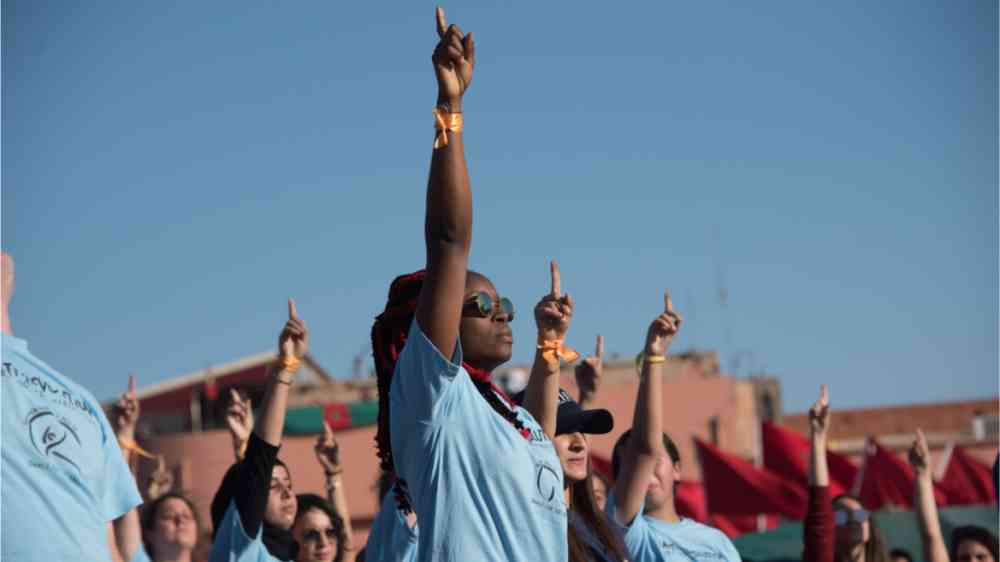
485,303
507,308
840,518
330,534
861,515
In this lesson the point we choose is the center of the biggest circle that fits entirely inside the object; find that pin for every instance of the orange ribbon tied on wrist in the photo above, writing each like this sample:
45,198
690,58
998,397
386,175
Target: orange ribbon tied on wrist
554,350
445,122
134,447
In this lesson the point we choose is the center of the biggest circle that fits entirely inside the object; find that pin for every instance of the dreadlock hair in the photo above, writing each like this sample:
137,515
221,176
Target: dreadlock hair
389,333
875,550
583,504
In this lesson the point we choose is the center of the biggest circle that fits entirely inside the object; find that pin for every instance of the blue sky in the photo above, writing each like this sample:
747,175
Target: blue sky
173,171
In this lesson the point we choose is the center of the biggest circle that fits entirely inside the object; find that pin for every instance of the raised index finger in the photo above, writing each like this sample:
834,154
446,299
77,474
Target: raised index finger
292,313
327,431
131,385
824,395
668,305
556,287
442,25
600,347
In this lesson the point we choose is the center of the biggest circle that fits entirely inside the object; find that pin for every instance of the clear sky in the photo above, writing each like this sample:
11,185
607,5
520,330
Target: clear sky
173,171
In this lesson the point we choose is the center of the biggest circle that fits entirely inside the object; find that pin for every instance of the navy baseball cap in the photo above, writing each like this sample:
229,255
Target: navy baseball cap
572,418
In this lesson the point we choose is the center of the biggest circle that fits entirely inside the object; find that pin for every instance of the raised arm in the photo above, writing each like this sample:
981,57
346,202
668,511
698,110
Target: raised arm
448,222
552,316
818,527
819,422
646,442
239,420
293,343
923,498
588,374
328,454
125,417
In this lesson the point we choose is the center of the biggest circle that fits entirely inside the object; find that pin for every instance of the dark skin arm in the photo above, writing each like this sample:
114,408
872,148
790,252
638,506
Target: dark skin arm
448,223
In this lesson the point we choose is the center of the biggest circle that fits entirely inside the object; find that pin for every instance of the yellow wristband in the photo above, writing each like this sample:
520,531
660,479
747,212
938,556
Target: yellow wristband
651,359
554,350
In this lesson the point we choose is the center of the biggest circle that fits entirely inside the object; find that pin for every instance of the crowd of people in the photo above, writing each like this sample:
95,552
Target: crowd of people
469,471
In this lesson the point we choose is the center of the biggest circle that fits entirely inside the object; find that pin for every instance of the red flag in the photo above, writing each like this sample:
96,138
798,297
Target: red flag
887,479
786,453
736,486
689,499
966,481
337,415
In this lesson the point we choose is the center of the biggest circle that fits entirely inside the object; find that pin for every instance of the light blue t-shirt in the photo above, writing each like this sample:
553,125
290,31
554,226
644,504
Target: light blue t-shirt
64,477
648,539
141,555
390,538
232,544
481,491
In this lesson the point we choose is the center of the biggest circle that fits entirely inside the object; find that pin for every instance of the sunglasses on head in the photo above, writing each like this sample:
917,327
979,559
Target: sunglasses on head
313,535
482,303
843,516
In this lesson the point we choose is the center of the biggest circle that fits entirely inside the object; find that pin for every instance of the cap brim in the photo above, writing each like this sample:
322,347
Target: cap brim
595,422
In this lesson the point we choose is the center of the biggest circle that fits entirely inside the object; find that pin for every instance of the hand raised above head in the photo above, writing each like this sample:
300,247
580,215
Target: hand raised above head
454,58
663,329
555,311
294,338
819,413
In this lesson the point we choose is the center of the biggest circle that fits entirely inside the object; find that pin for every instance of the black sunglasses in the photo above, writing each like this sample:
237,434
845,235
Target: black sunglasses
312,535
483,303
844,515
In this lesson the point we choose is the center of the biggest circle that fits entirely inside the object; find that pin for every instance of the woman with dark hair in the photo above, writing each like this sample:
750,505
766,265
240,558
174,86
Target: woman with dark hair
973,544
601,487
842,529
480,472
318,530
590,537
168,528
254,508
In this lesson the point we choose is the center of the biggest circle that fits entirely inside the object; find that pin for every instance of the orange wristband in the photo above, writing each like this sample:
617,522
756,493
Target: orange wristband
290,364
135,448
445,122
554,350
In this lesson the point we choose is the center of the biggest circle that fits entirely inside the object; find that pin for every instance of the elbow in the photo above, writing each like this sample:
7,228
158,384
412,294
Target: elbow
448,240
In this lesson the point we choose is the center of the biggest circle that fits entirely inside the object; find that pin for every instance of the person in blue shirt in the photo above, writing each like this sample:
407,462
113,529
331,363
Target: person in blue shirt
64,477
480,472
590,536
255,506
646,467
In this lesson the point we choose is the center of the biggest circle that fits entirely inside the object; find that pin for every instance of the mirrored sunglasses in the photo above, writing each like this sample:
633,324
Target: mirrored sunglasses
483,304
844,516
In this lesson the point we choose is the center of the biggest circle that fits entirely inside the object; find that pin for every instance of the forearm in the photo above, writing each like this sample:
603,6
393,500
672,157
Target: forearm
541,397
647,437
271,424
128,534
927,517
819,474
338,499
586,399
645,443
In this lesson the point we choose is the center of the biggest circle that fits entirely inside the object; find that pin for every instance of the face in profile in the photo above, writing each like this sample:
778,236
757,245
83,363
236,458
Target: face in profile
572,449
174,526
281,501
487,341
853,527
972,551
316,537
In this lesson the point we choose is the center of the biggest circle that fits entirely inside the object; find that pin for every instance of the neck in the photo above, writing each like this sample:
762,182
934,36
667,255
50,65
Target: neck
568,494
172,553
5,322
666,512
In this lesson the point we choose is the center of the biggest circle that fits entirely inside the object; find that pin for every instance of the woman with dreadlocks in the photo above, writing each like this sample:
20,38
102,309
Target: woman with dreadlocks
481,473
